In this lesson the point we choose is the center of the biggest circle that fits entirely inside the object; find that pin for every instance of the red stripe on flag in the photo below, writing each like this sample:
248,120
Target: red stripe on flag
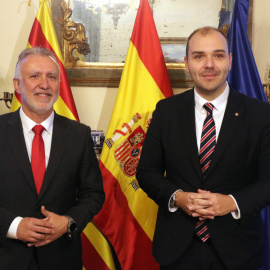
128,238
145,39
37,39
91,258
18,96
122,149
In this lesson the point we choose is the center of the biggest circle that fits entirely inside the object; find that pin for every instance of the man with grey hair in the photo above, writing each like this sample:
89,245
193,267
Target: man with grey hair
51,185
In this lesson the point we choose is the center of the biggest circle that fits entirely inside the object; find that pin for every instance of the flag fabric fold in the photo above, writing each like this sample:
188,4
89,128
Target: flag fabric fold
97,254
244,77
128,216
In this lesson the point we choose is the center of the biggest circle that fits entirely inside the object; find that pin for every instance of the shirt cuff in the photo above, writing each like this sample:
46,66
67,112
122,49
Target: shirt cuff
236,214
12,231
174,208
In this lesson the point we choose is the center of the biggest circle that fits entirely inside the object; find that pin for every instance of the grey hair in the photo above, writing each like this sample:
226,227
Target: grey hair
33,51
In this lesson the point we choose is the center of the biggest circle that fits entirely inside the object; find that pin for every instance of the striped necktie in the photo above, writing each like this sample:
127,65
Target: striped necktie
207,146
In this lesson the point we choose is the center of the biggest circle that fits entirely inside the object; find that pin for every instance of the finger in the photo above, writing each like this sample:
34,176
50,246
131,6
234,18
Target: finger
39,236
206,217
43,243
202,196
43,223
36,237
196,215
204,212
203,191
34,243
202,202
44,212
44,230
196,208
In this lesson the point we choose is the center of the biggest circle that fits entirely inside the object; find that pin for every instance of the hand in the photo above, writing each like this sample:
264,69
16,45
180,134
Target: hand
220,205
60,227
34,230
185,200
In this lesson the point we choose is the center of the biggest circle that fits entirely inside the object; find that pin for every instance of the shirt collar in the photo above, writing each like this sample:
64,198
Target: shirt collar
28,124
219,103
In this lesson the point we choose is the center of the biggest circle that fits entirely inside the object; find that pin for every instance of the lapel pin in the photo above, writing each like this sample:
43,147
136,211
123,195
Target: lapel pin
237,114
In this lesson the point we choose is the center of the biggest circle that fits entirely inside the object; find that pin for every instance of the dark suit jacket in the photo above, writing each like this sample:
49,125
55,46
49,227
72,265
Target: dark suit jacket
72,186
240,166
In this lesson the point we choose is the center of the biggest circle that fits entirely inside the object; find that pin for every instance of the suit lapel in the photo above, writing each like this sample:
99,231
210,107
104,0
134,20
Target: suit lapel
188,123
233,114
59,142
14,133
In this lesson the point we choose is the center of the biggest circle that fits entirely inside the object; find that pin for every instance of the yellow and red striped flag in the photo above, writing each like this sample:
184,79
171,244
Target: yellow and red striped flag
43,35
96,250
128,216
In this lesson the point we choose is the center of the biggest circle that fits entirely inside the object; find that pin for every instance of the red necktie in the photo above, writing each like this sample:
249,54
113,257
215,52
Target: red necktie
207,146
38,157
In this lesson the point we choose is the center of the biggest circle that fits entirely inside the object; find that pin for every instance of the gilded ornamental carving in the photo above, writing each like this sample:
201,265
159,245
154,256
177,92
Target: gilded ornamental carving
73,35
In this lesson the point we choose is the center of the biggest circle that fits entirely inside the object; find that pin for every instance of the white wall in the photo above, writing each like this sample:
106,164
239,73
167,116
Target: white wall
261,37
16,20
95,105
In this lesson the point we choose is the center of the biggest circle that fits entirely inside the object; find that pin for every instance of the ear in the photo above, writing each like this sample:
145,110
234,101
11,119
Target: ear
16,84
186,63
230,59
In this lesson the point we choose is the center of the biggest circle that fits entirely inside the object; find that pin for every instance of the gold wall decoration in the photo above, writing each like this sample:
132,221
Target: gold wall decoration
103,65
73,35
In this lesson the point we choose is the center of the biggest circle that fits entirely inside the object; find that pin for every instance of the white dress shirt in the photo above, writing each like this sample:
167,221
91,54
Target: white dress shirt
29,134
219,104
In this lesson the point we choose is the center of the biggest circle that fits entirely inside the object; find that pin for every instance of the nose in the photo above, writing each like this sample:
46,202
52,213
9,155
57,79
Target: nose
209,62
44,83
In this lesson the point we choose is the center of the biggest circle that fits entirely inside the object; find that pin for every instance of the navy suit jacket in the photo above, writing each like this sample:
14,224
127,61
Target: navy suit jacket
240,166
72,186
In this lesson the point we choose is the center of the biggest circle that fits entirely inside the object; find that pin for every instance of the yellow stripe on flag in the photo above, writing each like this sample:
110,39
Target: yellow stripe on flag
99,242
47,26
15,105
62,109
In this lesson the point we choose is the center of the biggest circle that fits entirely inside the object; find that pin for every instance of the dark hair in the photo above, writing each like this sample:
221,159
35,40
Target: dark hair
204,31
33,51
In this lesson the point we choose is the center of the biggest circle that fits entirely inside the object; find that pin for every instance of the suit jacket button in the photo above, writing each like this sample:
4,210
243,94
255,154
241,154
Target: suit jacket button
38,208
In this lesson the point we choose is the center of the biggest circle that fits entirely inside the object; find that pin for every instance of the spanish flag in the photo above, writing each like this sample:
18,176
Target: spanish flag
128,216
96,250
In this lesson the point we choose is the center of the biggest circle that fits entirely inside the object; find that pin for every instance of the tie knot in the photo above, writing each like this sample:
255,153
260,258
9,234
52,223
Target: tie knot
38,129
208,107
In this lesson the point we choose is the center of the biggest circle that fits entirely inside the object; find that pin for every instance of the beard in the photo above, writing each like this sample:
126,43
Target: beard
40,108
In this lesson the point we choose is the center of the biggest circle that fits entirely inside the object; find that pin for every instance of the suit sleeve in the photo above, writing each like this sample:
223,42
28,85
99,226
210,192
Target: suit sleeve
90,194
6,220
256,195
151,168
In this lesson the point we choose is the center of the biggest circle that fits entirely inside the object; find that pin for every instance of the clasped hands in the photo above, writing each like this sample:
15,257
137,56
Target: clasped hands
40,232
205,204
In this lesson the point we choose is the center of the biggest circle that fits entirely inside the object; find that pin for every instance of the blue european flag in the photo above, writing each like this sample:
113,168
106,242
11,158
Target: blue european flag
244,77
